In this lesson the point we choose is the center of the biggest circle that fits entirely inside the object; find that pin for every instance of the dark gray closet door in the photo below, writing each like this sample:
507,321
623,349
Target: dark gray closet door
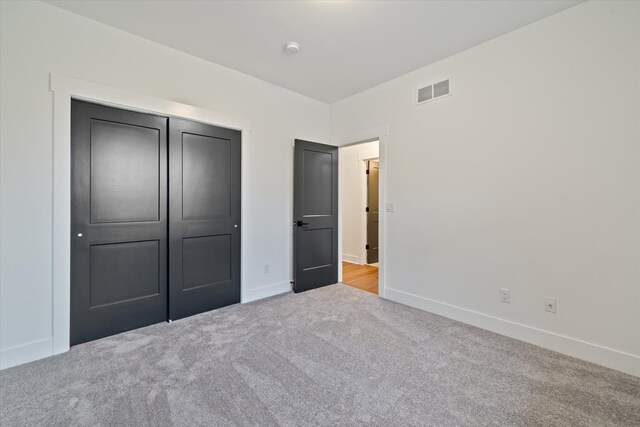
204,212
118,220
315,201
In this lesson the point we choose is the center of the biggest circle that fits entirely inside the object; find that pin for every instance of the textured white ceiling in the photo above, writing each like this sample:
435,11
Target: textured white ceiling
347,46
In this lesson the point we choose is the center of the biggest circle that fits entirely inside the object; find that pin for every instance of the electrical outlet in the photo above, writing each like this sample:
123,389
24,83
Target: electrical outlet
550,304
267,269
505,295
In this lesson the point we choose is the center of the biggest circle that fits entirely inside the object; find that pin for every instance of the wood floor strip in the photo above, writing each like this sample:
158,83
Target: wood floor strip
363,277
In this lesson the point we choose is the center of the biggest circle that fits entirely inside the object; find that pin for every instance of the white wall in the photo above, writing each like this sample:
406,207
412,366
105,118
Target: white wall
529,174
352,181
38,39
527,177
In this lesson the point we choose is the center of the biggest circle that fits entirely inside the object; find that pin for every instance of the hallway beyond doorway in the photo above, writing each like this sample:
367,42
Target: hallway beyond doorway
360,276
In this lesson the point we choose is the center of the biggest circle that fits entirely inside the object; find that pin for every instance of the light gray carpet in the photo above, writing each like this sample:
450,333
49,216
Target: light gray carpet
333,356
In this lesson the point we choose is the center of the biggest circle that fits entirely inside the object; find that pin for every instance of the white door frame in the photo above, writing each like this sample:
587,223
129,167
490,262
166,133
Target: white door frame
382,135
64,89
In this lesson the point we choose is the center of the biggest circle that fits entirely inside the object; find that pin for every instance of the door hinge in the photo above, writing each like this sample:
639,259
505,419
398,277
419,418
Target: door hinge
366,209
366,246
367,172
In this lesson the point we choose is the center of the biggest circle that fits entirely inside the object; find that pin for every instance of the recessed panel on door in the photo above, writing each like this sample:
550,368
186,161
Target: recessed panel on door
206,261
118,220
317,246
204,182
125,172
123,272
206,177
318,182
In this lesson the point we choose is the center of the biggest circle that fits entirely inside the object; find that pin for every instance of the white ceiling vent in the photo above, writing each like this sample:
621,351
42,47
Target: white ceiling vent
434,91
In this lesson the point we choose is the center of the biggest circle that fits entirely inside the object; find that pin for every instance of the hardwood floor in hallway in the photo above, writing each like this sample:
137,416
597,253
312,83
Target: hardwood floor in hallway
359,276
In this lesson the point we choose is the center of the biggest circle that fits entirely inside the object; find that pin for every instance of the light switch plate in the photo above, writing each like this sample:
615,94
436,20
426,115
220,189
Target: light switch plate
390,207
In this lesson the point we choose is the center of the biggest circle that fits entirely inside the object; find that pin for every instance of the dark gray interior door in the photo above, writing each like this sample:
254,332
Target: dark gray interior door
315,201
204,212
373,171
118,220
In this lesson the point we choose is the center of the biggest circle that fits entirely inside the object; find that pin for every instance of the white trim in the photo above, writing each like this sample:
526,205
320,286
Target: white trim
579,349
382,135
267,291
64,89
23,353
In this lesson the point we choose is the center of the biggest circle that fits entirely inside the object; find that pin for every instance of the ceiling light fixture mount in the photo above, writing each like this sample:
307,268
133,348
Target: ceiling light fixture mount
292,47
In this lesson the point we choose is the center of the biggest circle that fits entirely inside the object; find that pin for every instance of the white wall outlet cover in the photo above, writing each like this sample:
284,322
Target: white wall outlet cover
550,304
390,207
505,295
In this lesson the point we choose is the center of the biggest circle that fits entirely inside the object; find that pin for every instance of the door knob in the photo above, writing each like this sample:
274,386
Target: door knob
300,223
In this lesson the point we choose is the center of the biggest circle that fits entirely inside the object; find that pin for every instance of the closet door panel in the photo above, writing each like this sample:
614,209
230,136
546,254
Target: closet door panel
119,234
204,215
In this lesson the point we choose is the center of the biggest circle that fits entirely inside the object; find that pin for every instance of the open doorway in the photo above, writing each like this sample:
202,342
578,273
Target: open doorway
360,167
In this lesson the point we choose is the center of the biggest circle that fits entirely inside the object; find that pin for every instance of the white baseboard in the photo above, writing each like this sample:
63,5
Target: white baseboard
266,291
43,348
594,353
351,258
590,352
26,353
